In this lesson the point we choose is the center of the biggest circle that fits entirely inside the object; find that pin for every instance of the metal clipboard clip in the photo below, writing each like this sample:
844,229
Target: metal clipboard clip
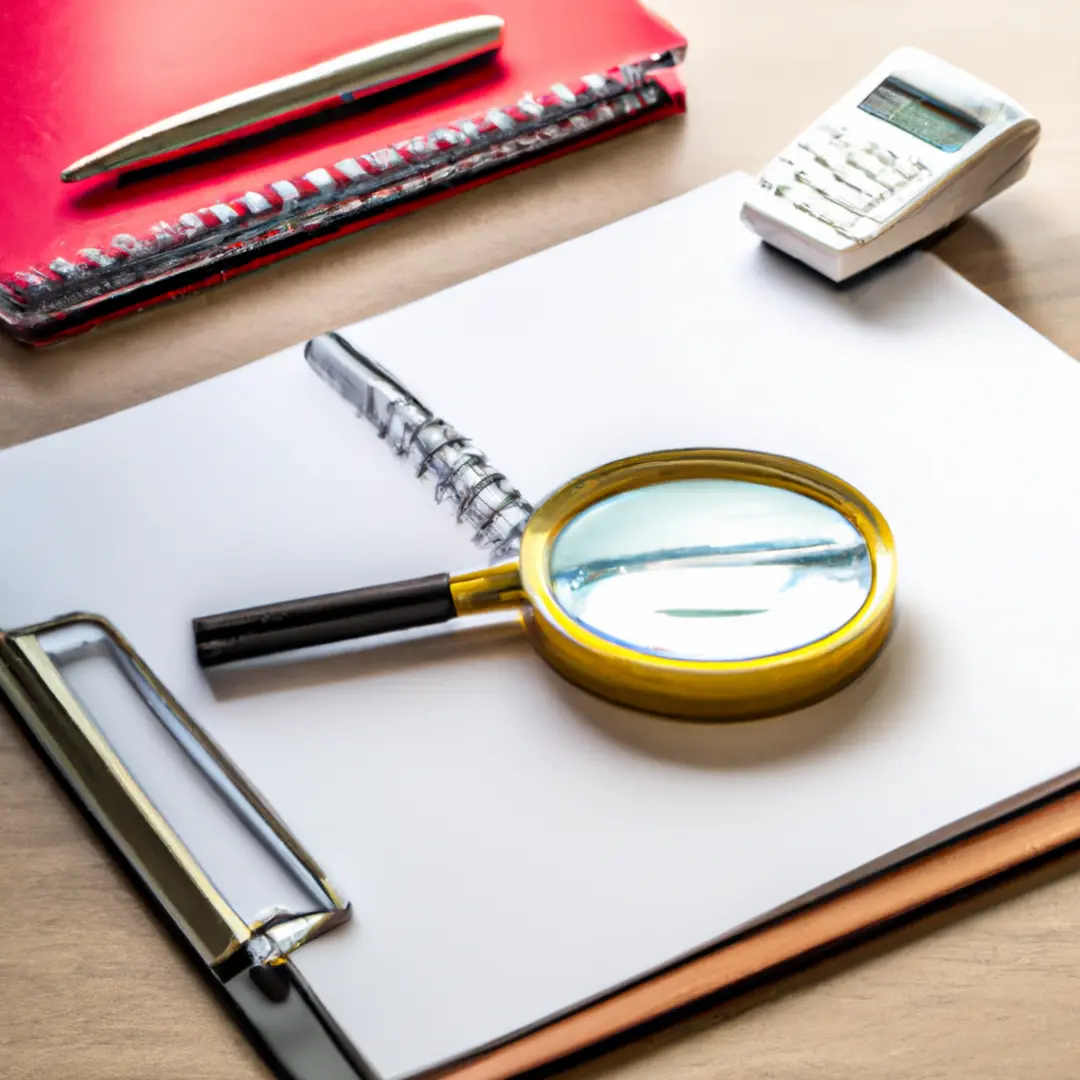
74,683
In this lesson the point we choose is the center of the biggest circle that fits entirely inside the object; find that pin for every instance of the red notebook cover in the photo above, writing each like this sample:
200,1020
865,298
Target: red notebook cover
79,74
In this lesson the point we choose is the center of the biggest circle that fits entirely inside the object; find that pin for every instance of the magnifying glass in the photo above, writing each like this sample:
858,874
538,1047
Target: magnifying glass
701,584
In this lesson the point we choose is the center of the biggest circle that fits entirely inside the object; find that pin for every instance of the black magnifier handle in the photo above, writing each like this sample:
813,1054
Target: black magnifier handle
322,620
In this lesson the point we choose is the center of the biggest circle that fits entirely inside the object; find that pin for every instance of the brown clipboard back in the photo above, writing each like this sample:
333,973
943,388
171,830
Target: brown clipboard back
825,926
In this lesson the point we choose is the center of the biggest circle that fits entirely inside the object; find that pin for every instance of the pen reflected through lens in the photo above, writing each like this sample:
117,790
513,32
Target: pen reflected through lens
711,570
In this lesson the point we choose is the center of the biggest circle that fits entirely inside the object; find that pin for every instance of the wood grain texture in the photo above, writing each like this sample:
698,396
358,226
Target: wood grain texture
92,987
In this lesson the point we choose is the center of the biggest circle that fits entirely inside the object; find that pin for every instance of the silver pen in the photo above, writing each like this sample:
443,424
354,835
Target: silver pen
355,74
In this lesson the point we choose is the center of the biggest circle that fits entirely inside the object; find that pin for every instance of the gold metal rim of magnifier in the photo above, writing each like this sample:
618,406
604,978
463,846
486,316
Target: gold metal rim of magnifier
691,689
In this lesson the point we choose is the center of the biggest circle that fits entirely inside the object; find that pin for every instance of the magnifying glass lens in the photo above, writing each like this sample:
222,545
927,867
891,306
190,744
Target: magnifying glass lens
710,569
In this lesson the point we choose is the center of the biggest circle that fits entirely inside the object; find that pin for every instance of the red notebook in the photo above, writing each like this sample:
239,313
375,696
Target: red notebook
83,73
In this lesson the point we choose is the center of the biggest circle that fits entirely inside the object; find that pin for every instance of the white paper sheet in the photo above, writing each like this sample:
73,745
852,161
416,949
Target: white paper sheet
512,846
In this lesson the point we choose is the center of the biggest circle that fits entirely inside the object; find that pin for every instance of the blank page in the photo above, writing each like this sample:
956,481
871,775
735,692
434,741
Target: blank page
512,846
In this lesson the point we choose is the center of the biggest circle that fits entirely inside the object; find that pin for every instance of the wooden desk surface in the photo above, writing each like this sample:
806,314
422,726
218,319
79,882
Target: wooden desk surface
91,987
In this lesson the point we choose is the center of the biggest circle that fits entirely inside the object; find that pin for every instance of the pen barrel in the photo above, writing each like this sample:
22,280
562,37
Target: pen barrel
364,71
322,620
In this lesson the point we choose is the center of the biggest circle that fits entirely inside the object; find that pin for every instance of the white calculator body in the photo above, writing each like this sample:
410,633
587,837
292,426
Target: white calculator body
913,147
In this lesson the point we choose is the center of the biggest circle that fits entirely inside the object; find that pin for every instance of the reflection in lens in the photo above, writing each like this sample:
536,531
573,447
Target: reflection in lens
711,569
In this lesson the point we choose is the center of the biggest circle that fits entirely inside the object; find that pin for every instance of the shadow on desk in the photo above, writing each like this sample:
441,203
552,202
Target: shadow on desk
979,253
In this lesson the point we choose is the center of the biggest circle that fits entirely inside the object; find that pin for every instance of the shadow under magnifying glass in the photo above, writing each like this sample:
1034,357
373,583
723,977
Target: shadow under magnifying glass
719,747
750,744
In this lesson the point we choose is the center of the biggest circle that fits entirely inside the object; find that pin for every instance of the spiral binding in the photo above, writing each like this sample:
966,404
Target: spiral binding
485,499
366,183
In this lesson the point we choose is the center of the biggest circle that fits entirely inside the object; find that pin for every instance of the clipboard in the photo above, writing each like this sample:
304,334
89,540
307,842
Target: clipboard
261,411
73,255
249,963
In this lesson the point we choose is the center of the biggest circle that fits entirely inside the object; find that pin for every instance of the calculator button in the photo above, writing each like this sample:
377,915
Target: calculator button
832,184
853,167
909,168
883,155
812,185
913,169
828,213
900,201
827,210
869,166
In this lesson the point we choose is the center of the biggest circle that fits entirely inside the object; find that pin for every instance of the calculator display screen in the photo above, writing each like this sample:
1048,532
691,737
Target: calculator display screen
912,111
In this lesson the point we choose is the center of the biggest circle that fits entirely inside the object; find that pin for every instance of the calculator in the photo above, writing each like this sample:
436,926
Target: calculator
913,147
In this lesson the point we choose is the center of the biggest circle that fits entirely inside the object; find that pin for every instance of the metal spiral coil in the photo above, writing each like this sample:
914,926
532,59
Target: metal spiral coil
485,499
